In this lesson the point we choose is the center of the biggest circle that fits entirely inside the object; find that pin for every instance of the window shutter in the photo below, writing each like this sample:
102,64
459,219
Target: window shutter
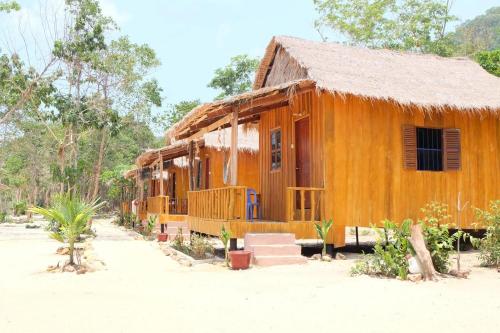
410,147
452,149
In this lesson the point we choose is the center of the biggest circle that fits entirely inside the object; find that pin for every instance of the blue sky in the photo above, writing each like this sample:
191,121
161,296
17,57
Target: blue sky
194,37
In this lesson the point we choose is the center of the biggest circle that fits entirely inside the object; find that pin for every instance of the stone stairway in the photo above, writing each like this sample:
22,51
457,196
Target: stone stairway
273,249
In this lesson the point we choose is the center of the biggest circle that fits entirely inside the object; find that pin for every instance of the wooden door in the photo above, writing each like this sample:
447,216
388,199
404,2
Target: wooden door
207,173
302,158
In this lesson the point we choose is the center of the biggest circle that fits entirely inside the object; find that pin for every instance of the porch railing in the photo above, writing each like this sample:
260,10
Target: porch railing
226,203
305,204
157,205
178,206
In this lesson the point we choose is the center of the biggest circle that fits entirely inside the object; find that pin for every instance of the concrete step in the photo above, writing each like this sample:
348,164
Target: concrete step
278,260
177,224
269,239
274,250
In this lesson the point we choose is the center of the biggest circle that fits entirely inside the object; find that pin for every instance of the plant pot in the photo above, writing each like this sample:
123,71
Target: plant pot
162,237
240,259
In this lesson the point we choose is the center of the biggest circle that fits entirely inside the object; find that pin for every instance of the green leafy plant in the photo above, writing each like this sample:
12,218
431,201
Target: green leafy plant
388,259
322,231
438,239
73,215
225,236
150,225
179,242
3,217
489,245
200,247
20,208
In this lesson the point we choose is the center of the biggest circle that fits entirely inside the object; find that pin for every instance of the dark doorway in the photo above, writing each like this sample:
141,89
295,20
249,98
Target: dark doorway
207,173
302,158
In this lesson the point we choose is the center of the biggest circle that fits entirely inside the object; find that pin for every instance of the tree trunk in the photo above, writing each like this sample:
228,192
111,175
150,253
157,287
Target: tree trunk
71,250
98,166
423,255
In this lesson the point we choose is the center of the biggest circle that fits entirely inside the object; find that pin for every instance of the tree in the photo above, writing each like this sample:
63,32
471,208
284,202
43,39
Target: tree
414,25
8,6
236,77
72,215
490,61
177,111
482,33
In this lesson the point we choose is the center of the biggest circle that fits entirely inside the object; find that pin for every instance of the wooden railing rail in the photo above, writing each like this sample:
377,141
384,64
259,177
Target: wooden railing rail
178,206
225,203
305,204
157,205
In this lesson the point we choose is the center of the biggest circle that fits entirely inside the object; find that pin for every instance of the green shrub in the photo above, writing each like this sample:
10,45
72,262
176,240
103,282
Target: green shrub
20,208
150,226
387,259
3,217
438,239
225,236
200,247
179,242
489,245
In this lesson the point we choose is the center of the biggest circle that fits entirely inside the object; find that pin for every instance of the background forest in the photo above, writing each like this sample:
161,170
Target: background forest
77,119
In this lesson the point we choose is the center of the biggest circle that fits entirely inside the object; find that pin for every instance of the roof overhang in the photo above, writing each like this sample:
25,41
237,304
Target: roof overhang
209,117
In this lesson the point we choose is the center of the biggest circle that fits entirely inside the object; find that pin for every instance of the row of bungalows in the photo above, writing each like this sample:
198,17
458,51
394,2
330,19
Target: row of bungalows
348,134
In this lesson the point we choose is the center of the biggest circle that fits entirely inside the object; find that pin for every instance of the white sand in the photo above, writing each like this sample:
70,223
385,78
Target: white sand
142,290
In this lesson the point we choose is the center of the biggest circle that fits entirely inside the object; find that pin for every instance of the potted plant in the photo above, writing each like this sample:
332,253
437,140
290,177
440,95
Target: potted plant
240,259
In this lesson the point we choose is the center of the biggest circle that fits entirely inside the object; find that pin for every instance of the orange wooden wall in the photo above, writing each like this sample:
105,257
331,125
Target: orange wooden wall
364,161
356,154
274,182
248,168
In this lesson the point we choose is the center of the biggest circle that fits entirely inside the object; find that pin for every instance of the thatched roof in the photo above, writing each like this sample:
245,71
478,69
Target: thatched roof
427,81
248,141
248,105
248,138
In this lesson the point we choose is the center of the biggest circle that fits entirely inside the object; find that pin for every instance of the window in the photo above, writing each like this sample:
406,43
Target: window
276,149
430,149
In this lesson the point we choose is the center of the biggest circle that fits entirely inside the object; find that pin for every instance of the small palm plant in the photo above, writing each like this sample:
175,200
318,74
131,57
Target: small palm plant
151,225
225,236
72,214
322,230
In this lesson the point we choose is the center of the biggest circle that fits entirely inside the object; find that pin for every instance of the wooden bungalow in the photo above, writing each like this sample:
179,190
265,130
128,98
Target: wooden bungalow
354,135
164,176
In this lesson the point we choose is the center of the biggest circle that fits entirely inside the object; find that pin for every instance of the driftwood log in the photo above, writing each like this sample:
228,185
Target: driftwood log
423,254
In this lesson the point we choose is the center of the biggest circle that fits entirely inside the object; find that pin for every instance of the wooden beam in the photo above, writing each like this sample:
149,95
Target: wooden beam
161,174
210,128
234,148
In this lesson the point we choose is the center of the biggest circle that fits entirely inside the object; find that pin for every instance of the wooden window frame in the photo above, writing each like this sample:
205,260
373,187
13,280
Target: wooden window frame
276,151
451,149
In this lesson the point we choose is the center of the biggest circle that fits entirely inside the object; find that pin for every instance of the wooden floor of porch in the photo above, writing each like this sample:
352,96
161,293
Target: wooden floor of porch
238,228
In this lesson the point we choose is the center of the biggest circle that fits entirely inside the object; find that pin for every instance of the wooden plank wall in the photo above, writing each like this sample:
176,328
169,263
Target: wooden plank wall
273,183
248,168
369,181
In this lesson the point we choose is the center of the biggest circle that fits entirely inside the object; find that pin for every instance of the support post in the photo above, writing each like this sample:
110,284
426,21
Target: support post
190,165
161,175
233,244
234,149
357,237
162,227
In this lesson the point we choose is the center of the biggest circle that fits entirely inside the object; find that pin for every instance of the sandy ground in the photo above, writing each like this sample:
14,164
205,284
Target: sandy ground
142,290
